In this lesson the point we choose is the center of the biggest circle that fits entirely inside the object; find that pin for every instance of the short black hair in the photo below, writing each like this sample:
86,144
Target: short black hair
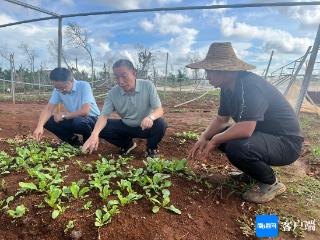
61,74
124,63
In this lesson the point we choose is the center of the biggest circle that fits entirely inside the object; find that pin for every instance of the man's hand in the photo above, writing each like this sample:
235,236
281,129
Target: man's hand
58,117
198,147
211,146
146,123
38,133
91,144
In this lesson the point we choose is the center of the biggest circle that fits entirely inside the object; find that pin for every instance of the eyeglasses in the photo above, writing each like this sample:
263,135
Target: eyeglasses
63,88
121,77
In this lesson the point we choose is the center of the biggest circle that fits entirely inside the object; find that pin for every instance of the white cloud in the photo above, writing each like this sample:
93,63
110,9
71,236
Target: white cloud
163,2
69,3
135,4
210,12
182,44
183,37
129,55
146,25
272,38
305,15
242,49
4,19
170,23
127,4
36,36
104,46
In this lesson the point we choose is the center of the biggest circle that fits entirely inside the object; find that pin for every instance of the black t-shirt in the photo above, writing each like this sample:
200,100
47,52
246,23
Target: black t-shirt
254,99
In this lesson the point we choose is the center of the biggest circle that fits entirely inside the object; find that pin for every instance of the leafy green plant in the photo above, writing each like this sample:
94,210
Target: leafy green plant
130,198
189,135
69,225
105,192
157,183
4,203
53,196
125,185
5,163
156,165
27,186
316,155
87,205
3,185
88,168
135,175
45,176
58,211
164,203
104,217
18,212
77,192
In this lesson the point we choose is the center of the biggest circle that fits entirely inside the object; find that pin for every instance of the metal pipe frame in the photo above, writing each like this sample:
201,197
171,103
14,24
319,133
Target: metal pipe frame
248,5
59,41
26,5
308,74
293,79
27,21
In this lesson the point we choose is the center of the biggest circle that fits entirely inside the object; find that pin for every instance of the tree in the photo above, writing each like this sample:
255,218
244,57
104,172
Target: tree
181,77
145,58
53,49
79,38
30,54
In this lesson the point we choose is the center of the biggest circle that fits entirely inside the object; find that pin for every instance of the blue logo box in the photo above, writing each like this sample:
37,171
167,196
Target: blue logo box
267,226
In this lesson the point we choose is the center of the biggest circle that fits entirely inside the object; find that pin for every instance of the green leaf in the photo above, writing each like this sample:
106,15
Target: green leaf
88,205
180,164
167,184
99,213
55,214
165,193
113,202
18,212
174,209
29,186
83,191
74,188
155,209
9,199
106,217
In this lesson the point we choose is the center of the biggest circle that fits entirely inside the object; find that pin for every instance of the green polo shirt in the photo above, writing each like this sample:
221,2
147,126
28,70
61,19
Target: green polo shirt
132,107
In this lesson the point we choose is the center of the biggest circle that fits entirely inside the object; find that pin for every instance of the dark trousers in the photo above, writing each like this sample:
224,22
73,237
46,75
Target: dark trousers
66,129
255,155
121,135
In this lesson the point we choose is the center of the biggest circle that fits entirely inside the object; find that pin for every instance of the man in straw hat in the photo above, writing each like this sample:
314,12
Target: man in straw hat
266,131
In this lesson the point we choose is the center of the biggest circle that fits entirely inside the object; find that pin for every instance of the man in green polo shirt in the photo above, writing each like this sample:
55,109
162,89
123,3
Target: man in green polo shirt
137,103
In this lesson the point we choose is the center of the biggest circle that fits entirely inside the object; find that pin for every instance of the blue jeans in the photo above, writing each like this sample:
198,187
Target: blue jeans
66,129
121,135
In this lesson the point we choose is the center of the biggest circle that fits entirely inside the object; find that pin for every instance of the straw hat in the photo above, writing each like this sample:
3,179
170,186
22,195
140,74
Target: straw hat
221,56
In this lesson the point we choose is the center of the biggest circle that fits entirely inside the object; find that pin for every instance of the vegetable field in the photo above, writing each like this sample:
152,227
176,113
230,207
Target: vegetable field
53,191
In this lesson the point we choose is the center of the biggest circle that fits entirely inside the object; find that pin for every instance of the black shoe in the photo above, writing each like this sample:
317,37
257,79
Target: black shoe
127,150
75,141
241,177
152,153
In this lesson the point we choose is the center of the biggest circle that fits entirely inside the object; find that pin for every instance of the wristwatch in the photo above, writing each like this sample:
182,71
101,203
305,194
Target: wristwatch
63,117
152,117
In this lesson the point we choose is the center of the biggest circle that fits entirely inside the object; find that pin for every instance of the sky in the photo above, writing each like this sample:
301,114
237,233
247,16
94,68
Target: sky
184,35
